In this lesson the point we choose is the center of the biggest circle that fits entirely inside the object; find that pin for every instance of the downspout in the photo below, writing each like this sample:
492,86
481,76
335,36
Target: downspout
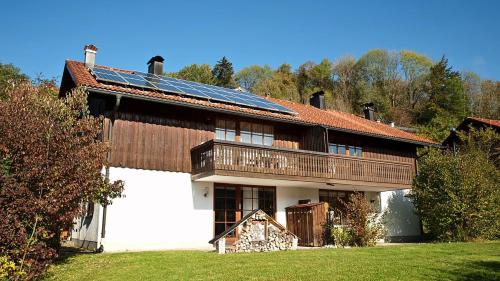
327,150
108,158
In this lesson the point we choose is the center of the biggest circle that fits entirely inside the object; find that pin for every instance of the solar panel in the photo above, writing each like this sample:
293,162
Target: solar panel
188,88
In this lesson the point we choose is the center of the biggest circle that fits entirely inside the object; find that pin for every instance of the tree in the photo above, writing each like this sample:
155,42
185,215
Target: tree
458,198
446,104
9,75
223,74
280,85
312,77
201,73
472,90
415,68
304,81
249,76
344,80
379,81
445,92
53,158
488,103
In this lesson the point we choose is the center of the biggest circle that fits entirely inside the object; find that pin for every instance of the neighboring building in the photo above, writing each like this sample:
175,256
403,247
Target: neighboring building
470,122
196,158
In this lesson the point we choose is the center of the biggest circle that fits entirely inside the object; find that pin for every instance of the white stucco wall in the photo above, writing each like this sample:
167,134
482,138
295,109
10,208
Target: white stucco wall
160,210
400,219
85,230
289,196
166,210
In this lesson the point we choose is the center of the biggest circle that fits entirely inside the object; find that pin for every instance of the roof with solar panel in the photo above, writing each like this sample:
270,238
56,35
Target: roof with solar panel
152,81
153,86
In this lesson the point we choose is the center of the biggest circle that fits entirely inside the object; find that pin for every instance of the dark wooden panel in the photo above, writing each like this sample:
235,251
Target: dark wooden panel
374,148
288,137
158,143
314,139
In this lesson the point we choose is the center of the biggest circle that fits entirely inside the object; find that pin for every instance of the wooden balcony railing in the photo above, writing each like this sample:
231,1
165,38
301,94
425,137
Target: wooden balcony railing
217,157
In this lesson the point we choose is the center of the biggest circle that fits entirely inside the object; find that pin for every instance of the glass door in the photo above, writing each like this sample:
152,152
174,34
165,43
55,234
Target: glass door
225,207
232,202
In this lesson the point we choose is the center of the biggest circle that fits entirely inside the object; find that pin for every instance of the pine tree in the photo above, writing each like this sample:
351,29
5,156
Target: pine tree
223,73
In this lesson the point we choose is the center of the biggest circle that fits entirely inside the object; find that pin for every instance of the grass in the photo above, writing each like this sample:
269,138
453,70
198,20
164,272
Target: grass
454,261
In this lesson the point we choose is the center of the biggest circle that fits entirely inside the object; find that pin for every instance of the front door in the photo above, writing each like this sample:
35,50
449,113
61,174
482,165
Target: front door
226,209
231,202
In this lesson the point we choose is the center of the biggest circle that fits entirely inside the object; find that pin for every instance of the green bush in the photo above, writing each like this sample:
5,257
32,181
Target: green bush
340,236
9,269
458,198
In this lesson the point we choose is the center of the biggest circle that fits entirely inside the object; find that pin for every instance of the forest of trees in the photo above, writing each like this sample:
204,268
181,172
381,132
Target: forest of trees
406,87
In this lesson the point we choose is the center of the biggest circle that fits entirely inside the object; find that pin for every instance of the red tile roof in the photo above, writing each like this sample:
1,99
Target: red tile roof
490,122
305,113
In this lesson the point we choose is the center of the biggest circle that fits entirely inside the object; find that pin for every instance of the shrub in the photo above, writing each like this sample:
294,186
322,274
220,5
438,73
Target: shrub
458,198
340,236
362,225
51,159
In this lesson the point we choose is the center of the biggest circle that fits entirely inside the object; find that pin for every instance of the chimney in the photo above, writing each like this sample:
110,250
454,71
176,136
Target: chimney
90,51
318,100
155,65
369,111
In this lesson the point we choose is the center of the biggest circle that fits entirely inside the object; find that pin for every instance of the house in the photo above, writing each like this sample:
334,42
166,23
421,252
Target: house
470,122
195,158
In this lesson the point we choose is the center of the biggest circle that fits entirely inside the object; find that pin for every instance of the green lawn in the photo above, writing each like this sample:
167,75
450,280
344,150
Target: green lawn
455,261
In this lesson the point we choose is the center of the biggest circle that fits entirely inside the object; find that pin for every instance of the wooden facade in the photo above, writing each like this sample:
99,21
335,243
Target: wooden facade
308,222
180,139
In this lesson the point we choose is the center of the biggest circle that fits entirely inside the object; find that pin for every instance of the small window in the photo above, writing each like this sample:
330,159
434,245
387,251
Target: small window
355,151
332,148
341,149
225,130
256,133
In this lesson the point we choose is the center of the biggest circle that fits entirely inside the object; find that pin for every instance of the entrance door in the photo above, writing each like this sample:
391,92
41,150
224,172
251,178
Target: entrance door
226,209
231,202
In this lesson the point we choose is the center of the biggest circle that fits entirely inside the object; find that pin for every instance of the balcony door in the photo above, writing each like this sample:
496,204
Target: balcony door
232,202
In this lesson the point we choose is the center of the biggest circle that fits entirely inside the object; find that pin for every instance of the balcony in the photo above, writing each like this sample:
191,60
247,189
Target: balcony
235,159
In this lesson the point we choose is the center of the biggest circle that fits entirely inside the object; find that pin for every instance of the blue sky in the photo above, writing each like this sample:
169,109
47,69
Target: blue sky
38,36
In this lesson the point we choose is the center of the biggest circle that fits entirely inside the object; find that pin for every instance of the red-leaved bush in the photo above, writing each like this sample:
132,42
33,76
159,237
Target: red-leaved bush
51,157
362,225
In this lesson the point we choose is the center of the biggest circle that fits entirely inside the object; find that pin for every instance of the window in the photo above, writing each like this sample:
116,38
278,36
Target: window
225,130
332,148
342,149
336,202
337,148
355,151
232,202
225,209
258,198
256,133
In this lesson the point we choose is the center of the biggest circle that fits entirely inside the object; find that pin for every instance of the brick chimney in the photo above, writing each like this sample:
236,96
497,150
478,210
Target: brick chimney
155,65
90,51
